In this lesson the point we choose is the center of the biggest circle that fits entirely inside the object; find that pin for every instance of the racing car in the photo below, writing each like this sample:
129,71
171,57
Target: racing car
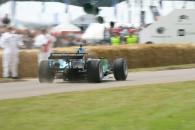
74,66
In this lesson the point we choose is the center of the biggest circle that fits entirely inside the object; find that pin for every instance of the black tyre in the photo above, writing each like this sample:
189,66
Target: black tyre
45,72
94,71
120,69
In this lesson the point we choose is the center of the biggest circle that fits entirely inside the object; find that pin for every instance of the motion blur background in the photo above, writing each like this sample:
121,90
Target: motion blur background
74,17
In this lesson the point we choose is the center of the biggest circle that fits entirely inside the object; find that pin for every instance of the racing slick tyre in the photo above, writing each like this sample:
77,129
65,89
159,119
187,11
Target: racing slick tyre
45,72
120,69
94,71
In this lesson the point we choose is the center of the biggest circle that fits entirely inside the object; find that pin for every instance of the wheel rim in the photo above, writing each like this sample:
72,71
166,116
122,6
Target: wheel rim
100,72
125,68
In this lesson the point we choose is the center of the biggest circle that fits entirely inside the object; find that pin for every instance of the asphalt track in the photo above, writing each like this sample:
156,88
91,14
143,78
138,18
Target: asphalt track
31,87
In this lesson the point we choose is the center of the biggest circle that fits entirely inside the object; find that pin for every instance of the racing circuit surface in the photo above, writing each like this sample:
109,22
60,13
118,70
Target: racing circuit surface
31,87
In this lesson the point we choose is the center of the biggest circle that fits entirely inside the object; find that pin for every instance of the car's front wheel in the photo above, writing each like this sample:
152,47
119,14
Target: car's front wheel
120,69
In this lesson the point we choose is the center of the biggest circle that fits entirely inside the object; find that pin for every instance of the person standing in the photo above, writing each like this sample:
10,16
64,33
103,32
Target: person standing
6,20
45,42
80,50
131,38
10,42
115,39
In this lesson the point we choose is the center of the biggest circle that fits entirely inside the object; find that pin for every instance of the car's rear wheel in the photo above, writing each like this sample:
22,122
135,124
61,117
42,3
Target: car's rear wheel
120,69
46,74
94,71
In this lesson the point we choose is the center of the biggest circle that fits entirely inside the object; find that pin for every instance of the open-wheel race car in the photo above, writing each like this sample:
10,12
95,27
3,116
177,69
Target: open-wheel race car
74,66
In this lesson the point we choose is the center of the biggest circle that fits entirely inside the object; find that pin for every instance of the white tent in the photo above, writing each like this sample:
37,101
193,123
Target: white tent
65,27
176,27
95,31
84,19
33,12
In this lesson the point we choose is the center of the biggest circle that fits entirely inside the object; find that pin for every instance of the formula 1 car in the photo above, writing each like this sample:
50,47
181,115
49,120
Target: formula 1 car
74,66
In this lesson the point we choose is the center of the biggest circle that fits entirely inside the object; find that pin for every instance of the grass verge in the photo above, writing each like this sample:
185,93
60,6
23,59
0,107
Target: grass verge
170,67
148,107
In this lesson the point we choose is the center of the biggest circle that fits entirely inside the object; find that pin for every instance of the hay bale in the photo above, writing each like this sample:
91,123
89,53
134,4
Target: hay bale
28,65
1,67
137,56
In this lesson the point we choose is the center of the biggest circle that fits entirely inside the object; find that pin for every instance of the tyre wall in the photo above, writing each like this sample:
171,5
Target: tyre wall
137,56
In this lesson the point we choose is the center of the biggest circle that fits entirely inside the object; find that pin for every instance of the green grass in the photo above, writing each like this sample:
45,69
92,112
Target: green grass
170,67
148,107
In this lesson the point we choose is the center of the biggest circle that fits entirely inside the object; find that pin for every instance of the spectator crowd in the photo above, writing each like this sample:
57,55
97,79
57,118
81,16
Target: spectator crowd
12,39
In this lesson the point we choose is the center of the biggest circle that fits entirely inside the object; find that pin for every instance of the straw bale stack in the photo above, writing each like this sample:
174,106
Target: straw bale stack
136,55
28,65
1,68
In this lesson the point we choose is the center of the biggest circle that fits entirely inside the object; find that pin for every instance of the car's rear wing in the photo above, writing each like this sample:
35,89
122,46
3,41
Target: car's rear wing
67,56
